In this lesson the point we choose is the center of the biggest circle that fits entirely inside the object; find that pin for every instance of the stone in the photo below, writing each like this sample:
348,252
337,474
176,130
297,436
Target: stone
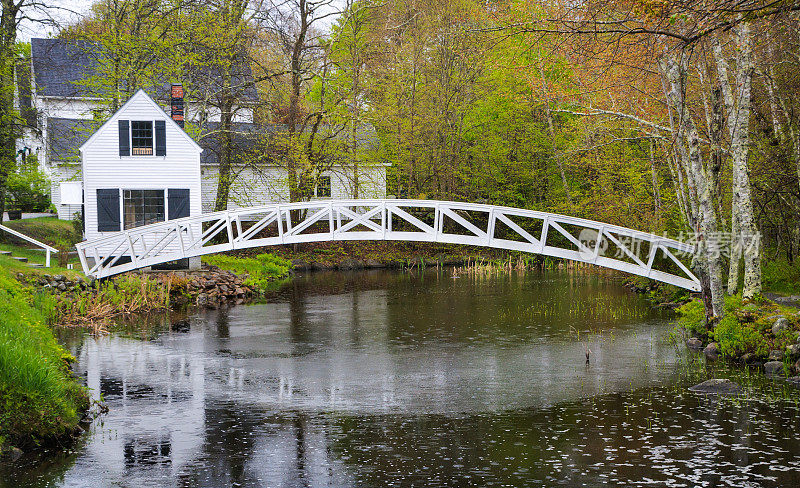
59,277
181,326
14,453
747,358
793,350
61,286
717,386
202,299
372,263
711,350
694,343
775,355
773,367
780,325
299,265
794,381
351,264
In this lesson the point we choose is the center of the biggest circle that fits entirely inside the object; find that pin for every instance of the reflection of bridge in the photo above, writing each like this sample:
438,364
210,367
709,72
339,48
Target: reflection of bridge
529,231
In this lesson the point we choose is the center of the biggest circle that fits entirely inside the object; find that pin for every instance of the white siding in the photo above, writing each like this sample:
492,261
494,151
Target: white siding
71,172
83,108
212,114
103,167
270,185
68,108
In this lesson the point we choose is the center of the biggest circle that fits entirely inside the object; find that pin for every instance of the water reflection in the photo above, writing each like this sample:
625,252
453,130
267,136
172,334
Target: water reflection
375,379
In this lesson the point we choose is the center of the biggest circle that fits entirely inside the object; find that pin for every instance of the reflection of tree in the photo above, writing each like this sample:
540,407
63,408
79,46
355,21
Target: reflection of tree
611,439
300,437
299,330
223,324
235,441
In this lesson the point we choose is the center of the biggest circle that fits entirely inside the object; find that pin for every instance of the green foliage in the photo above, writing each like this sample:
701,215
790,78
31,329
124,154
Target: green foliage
27,188
262,270
693,317
735,338
39,400
745,328
48,230
780,276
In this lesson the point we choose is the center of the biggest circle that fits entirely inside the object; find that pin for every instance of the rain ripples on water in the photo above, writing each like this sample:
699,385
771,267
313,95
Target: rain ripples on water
396,379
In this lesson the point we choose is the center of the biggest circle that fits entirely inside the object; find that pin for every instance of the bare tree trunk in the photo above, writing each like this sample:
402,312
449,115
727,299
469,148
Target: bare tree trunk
295,192
736,248
741,179
552,131
656,190
744,234
225,155
674,67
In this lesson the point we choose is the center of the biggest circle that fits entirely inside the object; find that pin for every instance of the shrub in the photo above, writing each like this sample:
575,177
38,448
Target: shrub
28,188
693,317
39,400
262,270
735,339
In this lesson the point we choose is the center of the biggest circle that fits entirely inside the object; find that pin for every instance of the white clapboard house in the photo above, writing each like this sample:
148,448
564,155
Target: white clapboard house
140,167
62,112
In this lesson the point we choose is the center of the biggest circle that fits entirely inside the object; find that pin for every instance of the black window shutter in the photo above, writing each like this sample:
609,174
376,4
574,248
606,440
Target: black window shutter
178,203
161,138
107,210
124,138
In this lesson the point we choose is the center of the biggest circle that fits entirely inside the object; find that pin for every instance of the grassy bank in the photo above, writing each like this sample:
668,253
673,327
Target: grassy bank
40,402
394,254
261,271
751,332
780,276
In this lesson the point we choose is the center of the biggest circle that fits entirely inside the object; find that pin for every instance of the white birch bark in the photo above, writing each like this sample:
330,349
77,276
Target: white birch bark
674,67
745,240
727,93
740,142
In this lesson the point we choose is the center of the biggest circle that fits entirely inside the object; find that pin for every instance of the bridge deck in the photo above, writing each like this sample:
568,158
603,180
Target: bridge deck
523,230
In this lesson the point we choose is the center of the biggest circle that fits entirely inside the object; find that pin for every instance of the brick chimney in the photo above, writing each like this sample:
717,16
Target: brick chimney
176,103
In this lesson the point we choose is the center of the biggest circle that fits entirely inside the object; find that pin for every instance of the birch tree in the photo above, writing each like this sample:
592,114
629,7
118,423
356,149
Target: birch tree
744,234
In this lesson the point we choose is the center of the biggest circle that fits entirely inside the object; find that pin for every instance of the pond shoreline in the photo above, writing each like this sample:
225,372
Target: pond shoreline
762,334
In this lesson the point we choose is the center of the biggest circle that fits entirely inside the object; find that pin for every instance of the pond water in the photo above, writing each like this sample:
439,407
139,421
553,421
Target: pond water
418,379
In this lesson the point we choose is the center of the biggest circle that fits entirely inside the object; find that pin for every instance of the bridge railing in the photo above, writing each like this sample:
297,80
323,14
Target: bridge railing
523,230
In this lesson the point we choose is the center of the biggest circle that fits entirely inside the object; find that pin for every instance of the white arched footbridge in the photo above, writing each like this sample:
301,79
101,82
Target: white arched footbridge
528,231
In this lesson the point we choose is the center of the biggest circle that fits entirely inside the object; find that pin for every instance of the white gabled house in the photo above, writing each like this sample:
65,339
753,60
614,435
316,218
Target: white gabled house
139,168
63,113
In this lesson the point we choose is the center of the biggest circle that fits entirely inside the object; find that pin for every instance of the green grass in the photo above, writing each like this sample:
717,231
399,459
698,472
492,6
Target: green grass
781,277
39,400
262,270
36,256
60,234
48,230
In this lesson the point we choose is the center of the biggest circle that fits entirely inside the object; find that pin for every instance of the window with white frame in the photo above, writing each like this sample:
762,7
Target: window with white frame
324,186
142,137
142,207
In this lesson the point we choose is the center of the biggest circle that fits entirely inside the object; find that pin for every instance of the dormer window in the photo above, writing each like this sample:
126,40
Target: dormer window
142,137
